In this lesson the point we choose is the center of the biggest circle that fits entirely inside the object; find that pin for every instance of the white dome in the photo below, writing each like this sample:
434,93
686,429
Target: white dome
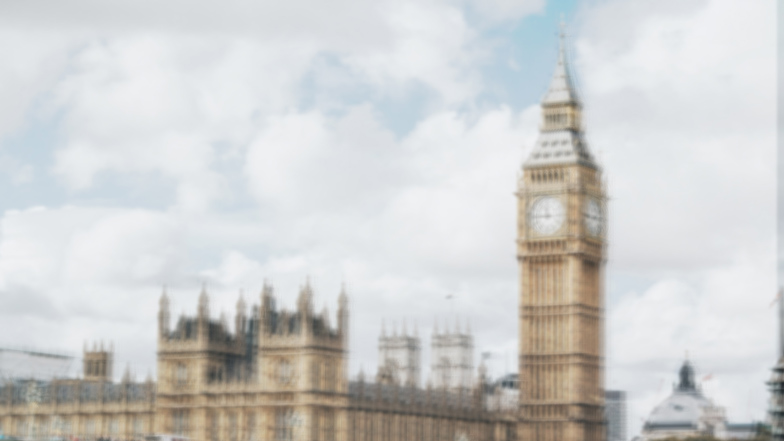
682,408
686,409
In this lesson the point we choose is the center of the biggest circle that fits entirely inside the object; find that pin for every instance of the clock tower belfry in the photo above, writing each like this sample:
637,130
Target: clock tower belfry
561,252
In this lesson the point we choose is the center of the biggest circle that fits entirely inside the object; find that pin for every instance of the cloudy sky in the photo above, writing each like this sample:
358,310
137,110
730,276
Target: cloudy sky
378,144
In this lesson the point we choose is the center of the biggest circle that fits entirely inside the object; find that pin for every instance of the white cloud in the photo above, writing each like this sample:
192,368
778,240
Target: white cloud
679,100
159,102
506,10
697,140
129,247
144,105
721,317
31,64
68,249
346,161
215,99
431,45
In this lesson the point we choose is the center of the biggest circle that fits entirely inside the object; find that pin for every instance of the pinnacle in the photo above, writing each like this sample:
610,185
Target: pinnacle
562,89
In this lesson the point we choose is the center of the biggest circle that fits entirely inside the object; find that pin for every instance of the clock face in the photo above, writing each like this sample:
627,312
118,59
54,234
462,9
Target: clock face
593,217
547,215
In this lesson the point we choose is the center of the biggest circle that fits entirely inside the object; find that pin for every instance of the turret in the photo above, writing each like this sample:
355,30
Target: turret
203,315
452,363
241,318
305,309
305,299
686,375
164,316
97,363
204,306
267,307
399,358
304,342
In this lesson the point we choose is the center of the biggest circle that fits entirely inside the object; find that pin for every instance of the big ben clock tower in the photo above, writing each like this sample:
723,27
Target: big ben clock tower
561,251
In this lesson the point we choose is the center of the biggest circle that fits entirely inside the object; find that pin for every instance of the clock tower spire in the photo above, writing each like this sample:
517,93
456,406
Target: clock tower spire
561,252
561,136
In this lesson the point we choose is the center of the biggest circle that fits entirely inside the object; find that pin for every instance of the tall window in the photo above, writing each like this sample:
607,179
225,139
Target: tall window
316,372
284,425
233,429
138,427
180,422
285,372
250,426
213,425
65,427
181,374
328,424
329,374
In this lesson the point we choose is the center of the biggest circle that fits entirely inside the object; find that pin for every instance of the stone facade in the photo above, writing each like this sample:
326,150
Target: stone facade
452,358
561,253
280,375
34,409
399,357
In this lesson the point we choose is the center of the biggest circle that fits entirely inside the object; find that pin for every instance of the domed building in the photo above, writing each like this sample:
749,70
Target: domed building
687,413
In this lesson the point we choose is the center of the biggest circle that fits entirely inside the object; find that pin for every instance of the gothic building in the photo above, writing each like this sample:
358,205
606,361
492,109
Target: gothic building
92,407
452,358
281,375
275,374
451,353
561,252
688,413
399,357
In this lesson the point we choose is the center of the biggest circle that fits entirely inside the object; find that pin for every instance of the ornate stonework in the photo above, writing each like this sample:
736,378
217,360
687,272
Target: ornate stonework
561,253
452,358
282,375
399,357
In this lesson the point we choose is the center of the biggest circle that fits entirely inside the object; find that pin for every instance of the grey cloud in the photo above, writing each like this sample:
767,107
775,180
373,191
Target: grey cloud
16,300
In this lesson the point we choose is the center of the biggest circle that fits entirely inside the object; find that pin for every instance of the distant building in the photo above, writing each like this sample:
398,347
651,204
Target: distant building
615,413
452,359
399,358
277,375
38,400
504,394
282,375
776,384
688,413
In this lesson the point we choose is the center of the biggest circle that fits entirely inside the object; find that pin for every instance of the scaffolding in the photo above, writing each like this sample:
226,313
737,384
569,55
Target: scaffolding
31,364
